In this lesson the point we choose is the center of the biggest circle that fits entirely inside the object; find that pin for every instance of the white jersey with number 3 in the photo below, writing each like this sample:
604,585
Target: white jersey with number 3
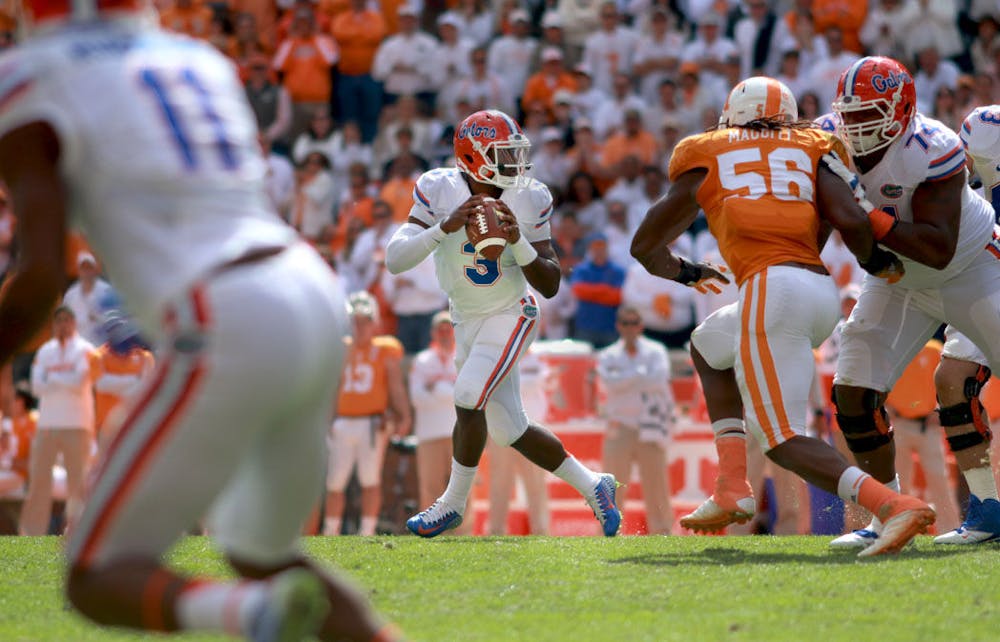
928,151
113,91
476,286
980,134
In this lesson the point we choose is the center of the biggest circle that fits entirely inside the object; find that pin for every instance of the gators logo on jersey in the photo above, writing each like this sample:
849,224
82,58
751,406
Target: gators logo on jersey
892,191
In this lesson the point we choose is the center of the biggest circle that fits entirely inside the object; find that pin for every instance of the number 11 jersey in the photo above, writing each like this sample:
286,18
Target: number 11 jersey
759,193
158,150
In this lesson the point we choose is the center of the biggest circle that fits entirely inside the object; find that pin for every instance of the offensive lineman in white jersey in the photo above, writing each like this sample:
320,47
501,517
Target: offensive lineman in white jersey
494,314
912,169
146,138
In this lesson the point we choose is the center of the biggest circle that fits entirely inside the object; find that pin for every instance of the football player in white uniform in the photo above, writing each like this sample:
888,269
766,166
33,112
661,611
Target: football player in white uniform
147,139
495,316
920,206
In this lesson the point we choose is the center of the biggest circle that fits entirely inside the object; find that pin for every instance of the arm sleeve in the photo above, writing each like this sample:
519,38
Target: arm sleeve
410,245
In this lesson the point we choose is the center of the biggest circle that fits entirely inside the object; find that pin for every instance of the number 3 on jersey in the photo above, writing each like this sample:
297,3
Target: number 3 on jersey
484,272
780,164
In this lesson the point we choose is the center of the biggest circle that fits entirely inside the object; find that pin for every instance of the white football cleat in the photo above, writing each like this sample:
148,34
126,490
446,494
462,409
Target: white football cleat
294,609
981,525
856,540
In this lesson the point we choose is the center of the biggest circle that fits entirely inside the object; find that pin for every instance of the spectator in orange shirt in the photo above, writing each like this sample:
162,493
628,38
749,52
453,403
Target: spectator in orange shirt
848,15
358,32
187,16
265,15
397,190
631,140
284,28
543,85
305,59
121,366
20,429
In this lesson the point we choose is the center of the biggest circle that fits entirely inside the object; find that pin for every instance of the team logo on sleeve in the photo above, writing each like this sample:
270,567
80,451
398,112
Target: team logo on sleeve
529,310
892,191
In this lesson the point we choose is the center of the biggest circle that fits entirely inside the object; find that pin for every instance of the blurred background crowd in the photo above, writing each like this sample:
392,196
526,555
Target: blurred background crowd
355,98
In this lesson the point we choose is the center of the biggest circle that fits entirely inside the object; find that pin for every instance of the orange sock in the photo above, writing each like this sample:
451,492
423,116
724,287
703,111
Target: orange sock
732,457
873,494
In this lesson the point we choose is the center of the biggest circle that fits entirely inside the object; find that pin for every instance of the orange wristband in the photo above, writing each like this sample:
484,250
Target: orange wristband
882,223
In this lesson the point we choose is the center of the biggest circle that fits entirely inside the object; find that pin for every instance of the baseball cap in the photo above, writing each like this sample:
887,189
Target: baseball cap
584,69
551,19
449,18
362,304
441,317
551,53
85,257
710,18
596,237
583,123
551,134
407,10
562,96
518,15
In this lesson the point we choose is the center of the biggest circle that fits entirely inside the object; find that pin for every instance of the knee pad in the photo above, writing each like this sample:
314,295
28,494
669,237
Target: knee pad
466,395
972,412
869,431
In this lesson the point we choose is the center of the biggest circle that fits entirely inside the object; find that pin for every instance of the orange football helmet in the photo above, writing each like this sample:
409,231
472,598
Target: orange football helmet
876,100
491,148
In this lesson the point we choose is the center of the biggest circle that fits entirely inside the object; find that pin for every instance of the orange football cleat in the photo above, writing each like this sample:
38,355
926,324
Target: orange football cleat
903,518
731,503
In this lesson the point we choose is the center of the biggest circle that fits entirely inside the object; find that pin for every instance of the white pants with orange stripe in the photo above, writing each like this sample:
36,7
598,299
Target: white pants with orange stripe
488,350
356,441
784,312
891,324
233,421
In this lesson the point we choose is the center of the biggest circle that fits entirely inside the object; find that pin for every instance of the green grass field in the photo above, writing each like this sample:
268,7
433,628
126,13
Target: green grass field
583,589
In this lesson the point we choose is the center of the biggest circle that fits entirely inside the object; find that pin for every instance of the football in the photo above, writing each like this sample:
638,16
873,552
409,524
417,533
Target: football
483,230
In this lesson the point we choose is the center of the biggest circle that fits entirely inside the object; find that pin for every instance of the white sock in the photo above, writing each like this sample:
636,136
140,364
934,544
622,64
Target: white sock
368,525
730,427
981,482
850,483
220,607
331,526
583,479
459,486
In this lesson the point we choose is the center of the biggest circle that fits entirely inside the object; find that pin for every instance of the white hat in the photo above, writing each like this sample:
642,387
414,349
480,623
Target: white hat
407,10
85,257
551,53
563,96
519,15
551,134
551,19
449,18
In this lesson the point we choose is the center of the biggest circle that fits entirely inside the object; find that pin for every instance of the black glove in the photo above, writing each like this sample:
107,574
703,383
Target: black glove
700,276
884,265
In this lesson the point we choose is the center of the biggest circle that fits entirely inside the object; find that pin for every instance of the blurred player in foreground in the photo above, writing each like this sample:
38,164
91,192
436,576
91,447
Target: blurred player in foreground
764,182
147,139
495,316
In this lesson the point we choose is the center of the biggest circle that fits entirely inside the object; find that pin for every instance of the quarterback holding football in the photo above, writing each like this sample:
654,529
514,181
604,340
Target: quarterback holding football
487,225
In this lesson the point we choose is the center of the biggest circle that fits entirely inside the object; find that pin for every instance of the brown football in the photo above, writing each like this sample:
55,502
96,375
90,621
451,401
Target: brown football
483,230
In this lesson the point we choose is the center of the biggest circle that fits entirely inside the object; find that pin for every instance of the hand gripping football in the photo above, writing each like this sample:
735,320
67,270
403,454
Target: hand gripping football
483,230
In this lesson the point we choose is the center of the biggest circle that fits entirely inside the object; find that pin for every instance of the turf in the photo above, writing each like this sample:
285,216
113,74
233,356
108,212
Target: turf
583,589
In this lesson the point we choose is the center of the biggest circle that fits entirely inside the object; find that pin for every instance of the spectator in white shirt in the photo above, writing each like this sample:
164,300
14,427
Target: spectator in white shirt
618,233
415,297
60,379
933,74
639,408
588,98
760,36
657,54
666,307
884,32
710,48
485,89
280,180
510,56
408,62
454,50
790,73
652,186
611,114
549,162
825,74
579,20
87,297
935,24
610,50
432,392
368,255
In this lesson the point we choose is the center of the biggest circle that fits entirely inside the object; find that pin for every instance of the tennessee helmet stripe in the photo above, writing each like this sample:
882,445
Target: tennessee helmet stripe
772,102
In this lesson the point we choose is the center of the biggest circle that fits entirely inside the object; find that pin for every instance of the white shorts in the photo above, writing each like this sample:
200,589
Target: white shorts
960,347
360,441
715,337
784,312
488,350
233,420
890,324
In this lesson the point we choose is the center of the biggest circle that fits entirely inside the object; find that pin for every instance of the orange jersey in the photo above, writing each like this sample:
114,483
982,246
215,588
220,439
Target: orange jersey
914,396
364,389
24,428
759,195
132,365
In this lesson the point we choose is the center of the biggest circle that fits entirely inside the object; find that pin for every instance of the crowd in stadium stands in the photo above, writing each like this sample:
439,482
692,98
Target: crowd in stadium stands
355,98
